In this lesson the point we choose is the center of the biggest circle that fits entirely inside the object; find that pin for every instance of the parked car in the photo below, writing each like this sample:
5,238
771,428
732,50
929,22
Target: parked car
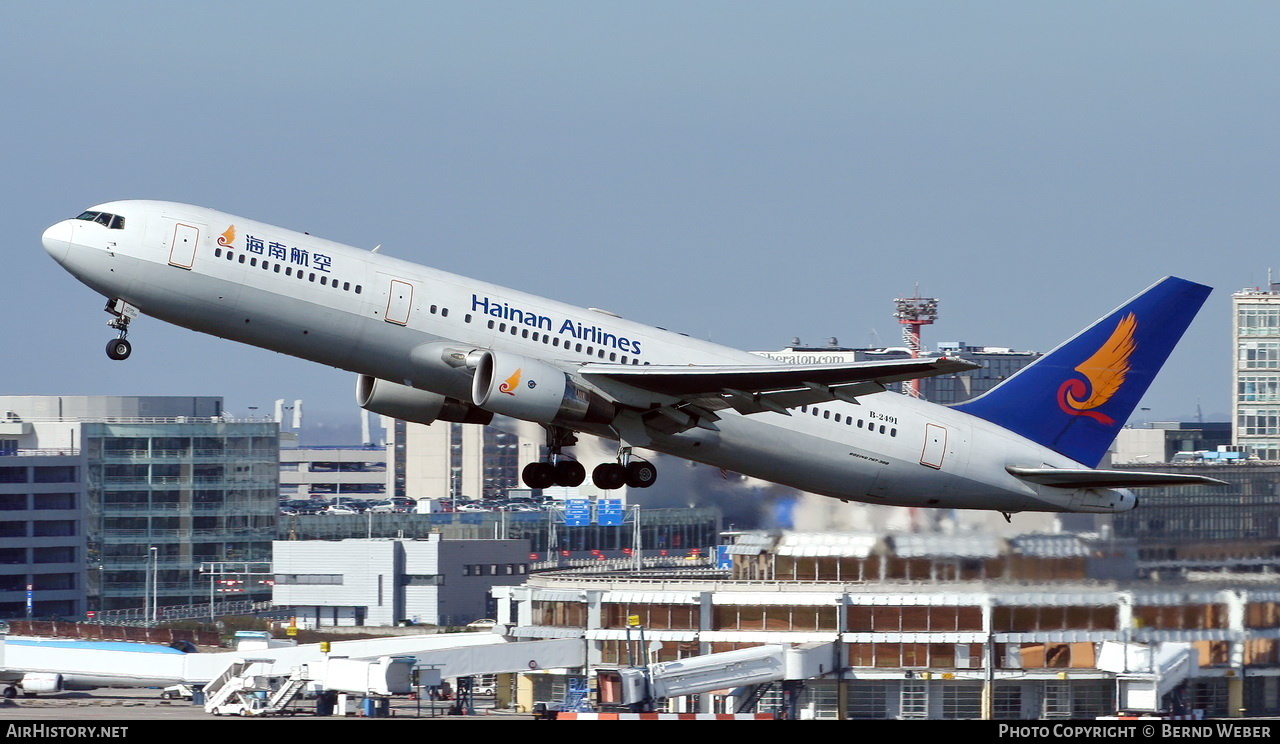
340,510
177,692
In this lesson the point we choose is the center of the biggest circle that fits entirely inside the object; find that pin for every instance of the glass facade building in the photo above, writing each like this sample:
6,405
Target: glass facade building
115,502
165,497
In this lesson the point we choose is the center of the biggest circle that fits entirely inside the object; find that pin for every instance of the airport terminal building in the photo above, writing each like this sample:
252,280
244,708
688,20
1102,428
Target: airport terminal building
931,626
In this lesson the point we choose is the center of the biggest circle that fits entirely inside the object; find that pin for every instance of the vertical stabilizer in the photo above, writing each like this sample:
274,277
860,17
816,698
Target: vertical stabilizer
1075,399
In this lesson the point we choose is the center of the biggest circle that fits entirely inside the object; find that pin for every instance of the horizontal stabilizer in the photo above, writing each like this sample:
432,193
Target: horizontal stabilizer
1089,478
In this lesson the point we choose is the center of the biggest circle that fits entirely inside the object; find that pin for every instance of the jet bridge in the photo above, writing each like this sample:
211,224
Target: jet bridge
43,665
1148,676
744,671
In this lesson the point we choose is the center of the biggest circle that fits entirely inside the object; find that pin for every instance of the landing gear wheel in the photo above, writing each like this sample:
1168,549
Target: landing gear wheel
641,474
569,473
538,475
10,692
608,476
119,348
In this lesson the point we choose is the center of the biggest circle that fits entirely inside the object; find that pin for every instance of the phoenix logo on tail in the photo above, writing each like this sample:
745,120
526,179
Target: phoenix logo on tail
1105,371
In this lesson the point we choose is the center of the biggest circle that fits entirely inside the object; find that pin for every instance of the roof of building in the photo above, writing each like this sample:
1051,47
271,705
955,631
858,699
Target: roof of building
959,546
1049,546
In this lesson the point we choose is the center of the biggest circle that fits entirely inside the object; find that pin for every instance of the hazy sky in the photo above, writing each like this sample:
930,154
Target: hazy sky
741,171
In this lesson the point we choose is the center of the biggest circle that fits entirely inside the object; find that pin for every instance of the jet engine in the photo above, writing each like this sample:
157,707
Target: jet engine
41,682
418,406
532,390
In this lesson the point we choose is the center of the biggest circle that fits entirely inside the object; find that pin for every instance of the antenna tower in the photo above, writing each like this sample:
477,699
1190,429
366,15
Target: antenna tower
912,313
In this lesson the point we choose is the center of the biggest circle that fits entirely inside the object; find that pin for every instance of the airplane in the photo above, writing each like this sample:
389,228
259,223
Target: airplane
429,346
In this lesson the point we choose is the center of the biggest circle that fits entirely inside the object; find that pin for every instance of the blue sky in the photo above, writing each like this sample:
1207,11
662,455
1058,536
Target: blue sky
741,171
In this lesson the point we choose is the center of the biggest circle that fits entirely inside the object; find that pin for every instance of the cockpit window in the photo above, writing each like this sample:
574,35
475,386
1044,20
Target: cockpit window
112,221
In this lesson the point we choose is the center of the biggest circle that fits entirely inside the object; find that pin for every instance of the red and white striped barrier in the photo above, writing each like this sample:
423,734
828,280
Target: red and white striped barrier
571,716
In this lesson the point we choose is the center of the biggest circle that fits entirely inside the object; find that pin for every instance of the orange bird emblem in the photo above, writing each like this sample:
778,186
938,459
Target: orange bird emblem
508,385
1105,371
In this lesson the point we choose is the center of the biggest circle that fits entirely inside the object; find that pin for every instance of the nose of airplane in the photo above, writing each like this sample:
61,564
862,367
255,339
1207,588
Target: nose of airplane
57,239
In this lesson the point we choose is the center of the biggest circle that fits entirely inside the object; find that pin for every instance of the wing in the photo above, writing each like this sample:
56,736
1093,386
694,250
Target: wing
757,388
1087,478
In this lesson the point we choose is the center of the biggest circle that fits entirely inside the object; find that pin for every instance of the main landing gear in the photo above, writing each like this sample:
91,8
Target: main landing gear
561,471
628,471
120,348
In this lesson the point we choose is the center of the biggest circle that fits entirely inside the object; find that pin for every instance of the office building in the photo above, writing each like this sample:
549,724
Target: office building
117,502
457,461
1255,402
431,581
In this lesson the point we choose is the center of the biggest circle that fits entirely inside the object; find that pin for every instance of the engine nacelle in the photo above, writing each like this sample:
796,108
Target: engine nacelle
41,682
410,404
532,390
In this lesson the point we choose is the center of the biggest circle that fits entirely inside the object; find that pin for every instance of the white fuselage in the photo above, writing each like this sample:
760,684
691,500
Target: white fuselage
371,312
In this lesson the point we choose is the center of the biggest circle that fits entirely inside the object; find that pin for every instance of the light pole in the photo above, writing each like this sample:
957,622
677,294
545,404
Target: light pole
146,588
155,581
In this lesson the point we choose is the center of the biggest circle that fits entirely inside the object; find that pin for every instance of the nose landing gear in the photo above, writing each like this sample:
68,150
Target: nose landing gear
120,348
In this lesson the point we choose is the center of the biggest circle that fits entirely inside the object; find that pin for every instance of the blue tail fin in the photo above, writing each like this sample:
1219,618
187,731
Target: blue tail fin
1075,399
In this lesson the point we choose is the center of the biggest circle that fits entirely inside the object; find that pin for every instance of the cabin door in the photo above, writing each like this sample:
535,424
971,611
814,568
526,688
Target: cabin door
182,251
399,302
935,446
